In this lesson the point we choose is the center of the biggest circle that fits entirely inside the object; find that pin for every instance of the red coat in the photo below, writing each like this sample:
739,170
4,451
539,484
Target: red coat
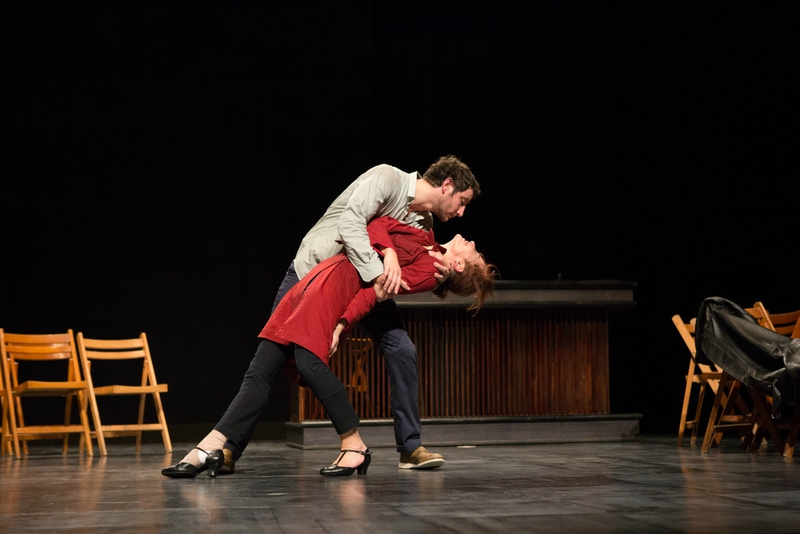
309,312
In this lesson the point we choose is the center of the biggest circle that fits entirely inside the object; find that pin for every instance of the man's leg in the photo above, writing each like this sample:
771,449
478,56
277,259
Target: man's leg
289,280
385,326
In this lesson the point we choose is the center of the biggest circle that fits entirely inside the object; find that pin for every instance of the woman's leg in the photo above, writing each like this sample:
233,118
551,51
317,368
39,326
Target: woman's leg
214,440
239,420
332,395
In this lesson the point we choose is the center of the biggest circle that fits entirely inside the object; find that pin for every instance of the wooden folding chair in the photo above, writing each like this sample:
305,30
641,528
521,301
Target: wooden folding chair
730,412
94,350
705,377
699,374
26,359
761,422
787,324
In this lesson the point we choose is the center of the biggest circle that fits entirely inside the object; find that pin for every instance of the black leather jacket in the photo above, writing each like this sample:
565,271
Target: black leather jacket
758,357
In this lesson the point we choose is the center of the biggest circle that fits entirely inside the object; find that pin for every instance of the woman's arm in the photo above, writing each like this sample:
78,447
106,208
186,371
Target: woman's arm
420,280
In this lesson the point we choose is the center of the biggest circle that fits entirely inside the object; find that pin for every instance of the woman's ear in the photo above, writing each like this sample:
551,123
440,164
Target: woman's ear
458,265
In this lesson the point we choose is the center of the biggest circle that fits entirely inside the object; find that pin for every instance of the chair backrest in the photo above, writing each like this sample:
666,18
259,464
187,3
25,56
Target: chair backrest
38,347
787,324
112,349
117,349
686,330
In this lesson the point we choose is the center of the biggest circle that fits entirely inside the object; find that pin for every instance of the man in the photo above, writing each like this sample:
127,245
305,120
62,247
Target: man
444,190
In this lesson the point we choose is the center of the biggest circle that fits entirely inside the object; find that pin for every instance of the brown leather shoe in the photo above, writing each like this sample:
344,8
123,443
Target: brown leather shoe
229,467
220,462
420,459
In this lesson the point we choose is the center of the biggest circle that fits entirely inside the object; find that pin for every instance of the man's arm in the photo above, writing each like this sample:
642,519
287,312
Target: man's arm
368,200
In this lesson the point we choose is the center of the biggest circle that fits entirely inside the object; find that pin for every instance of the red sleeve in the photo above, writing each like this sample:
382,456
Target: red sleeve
361,305
419,274
378,230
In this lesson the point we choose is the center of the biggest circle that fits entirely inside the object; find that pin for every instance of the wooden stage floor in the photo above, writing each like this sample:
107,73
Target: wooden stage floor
644,486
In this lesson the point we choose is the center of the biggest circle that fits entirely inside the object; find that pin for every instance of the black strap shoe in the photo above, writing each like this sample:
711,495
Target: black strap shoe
336,471
184,469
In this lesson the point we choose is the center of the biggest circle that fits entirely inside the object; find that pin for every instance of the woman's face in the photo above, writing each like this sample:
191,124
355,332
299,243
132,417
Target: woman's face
463,252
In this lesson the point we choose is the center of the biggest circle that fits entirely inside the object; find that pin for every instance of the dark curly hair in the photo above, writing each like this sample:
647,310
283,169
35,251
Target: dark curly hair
476,280
455,169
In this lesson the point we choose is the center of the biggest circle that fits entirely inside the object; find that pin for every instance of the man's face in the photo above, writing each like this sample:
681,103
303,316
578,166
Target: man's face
449,204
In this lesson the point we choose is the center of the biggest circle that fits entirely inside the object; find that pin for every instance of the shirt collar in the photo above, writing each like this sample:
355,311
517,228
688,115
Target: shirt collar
412,185
420,219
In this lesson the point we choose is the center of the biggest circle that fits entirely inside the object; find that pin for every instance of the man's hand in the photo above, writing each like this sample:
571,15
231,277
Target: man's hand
340,326
444,272
393,280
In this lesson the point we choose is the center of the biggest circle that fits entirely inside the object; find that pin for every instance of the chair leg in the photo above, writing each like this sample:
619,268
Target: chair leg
163,421
20,424
728,403
67,417
686,395
700,396
765,423
87,434
12,416
791,438
715,410
98,426
142,398
5,444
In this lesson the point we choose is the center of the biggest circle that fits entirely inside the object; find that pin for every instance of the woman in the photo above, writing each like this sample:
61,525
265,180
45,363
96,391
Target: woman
304,330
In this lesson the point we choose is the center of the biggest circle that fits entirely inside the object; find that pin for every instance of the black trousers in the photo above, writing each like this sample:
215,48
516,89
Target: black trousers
241,417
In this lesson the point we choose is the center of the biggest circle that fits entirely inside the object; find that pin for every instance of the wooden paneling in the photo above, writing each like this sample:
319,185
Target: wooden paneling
502,362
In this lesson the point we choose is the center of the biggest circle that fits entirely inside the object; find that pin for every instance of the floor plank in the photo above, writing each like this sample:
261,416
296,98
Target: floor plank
646,486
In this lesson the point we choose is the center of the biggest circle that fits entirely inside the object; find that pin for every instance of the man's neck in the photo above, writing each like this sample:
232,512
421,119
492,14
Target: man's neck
423,197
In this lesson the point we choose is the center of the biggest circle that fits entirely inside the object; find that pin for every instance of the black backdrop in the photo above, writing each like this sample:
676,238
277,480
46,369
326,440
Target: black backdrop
162,160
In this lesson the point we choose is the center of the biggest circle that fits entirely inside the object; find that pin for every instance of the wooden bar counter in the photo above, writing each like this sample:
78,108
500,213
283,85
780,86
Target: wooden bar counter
530,366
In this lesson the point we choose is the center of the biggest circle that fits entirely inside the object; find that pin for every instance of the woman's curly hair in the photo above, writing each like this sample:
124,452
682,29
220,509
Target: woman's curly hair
474,281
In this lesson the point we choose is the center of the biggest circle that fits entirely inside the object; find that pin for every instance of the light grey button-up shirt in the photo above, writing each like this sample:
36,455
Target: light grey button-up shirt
381,191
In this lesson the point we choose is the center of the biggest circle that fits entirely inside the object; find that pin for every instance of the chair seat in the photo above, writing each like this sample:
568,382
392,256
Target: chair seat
38,388
47,431
112,431
130,390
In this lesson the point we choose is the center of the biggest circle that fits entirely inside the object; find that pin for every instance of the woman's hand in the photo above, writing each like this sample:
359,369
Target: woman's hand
380,293
340,326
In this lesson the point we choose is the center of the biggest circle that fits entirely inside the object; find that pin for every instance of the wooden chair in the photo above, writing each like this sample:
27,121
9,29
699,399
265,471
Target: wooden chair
787,324
24,357
730,412
145,384
702,375
706,377
762,423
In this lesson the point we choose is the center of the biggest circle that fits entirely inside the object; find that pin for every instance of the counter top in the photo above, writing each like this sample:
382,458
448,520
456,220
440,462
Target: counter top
612,294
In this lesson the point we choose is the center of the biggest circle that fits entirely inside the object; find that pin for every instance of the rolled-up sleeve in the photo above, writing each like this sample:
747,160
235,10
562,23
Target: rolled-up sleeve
364,204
